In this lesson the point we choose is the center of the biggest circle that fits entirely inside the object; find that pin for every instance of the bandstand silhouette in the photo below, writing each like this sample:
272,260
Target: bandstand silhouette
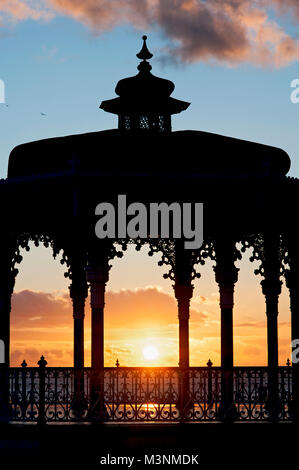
49,197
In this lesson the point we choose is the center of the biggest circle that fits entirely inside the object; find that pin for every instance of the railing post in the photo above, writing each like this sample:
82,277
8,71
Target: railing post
24,390
210,389
42,379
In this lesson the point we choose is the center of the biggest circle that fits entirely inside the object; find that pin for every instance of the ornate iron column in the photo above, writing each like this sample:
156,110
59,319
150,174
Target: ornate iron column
97,276
183,290
226,275
292,282
6,290
271,287
78,294
183,294
267,249
9,256
182,272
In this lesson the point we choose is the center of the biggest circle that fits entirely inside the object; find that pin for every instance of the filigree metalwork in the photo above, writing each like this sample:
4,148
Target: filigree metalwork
149,394
256,242
167,249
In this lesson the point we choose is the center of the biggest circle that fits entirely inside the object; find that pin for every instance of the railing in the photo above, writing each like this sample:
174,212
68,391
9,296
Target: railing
132,394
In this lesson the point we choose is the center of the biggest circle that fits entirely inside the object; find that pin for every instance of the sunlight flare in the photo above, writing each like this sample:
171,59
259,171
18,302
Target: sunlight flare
150,353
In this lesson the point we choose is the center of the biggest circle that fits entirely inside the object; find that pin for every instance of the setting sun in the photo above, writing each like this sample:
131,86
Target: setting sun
150,353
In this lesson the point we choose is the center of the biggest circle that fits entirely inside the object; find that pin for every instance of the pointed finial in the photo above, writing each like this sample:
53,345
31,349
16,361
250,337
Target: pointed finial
144,54
42,362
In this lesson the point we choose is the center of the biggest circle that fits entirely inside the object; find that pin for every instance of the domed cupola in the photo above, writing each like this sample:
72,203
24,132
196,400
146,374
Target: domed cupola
144,100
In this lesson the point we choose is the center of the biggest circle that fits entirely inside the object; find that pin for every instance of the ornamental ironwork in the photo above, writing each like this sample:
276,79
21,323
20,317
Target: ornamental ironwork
144,394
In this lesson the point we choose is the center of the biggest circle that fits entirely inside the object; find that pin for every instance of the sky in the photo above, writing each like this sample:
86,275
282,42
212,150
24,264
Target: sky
234,60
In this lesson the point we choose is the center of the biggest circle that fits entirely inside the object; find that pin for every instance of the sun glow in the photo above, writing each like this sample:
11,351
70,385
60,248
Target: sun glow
150,353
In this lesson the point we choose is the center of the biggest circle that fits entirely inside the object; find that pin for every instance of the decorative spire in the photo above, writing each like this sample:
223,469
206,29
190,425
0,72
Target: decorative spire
144,54
144,100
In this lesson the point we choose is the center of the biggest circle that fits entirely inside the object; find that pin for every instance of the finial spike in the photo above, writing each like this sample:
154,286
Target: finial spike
144,54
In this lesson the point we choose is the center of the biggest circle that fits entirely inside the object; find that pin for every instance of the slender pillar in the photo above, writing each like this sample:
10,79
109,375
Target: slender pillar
97,277
183,294
226,275
292,282
5,307
7,282
183,291
271,287
78,294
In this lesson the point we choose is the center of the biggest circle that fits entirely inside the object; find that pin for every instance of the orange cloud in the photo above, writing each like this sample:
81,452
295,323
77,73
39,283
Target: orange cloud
42,323
151,307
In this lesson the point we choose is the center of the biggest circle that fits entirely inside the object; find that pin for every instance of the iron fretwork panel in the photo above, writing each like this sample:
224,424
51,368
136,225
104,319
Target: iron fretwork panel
142,394
153,122
254,390
147,394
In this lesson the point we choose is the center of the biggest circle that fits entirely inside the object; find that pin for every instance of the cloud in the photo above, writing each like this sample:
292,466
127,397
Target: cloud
287,7
42,323
41,308
229,31
148,307
19,10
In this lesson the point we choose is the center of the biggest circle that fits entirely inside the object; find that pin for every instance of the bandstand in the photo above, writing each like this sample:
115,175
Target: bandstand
49,197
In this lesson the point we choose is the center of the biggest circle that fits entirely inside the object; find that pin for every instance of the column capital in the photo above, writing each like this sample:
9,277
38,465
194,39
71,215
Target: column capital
78,290
97,274
226,279
271,287
292,278
225,275
183,292
97,277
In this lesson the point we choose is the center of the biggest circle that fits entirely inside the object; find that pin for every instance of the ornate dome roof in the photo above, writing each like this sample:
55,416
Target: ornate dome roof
144,92
210,155
144,84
